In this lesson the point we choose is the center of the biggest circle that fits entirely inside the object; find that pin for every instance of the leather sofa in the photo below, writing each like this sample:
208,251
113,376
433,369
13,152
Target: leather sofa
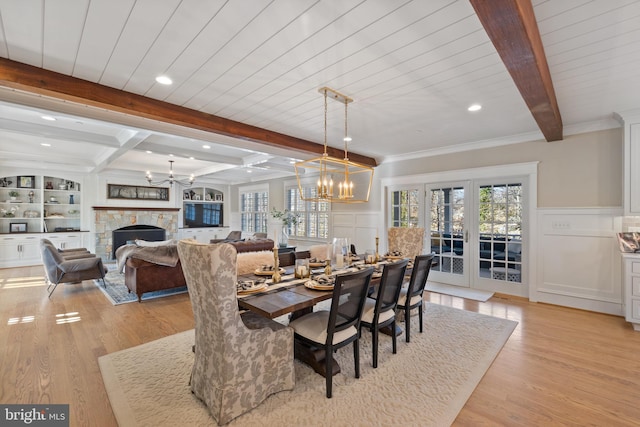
142,276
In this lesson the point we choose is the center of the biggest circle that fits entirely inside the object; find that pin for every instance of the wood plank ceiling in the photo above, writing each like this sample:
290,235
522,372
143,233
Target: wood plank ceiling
412,67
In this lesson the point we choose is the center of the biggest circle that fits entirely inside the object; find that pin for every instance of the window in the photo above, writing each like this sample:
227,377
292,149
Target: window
254,211
314,216
405,208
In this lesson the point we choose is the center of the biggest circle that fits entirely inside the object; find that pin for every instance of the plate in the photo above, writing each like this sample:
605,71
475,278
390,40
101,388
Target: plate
316,264
312,284
394,257
267,272
257,288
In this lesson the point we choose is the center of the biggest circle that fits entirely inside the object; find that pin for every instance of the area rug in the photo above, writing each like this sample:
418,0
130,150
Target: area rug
426,383
457,291
118,293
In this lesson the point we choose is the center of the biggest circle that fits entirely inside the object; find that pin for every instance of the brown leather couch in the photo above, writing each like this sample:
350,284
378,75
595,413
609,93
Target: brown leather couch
143,276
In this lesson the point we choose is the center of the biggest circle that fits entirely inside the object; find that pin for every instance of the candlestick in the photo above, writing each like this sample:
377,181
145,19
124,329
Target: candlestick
276,278
377,254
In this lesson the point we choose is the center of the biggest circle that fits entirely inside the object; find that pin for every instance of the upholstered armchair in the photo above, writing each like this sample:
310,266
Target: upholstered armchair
408,241
239,359
70,269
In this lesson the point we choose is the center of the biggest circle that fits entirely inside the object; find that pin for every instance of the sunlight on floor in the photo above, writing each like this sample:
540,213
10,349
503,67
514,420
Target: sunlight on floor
16,320
70,317
22,282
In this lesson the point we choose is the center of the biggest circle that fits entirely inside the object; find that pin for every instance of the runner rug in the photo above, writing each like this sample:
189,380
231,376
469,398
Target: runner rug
426,383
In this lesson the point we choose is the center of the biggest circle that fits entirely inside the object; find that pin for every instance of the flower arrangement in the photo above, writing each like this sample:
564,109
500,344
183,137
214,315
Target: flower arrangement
287,217
13,193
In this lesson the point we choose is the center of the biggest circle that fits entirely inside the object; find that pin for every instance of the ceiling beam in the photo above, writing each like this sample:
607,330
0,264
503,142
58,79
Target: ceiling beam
59,86
513,29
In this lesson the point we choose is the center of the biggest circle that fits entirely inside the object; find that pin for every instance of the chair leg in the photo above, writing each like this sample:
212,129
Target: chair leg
328,369
407,324
55,285
374,341
420,316
393,337
356,356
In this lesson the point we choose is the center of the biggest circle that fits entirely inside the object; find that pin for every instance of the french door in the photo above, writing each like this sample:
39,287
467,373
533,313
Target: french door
448,232
475,229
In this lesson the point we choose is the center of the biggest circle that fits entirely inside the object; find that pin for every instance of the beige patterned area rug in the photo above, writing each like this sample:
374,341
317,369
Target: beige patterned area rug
426,383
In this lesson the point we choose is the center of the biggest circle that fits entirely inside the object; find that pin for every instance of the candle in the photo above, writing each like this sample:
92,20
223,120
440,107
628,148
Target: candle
275,239
376,233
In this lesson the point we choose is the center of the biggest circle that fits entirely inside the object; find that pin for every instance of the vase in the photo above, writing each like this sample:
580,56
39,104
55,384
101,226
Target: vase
283,240
71,199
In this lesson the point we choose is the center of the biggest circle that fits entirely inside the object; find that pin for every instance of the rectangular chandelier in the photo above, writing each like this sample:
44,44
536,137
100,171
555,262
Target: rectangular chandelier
338,180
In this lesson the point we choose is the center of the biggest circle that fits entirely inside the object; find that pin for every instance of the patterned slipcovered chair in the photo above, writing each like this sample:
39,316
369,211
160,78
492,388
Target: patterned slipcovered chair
239,359
408,241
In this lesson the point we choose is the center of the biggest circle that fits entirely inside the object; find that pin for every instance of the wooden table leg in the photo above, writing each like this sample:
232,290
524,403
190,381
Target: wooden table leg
314,357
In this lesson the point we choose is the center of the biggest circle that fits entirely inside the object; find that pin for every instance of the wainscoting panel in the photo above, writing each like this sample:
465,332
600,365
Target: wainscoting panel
360,228
579,264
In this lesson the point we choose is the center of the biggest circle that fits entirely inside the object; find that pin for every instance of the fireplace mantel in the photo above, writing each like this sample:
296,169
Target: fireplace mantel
131,208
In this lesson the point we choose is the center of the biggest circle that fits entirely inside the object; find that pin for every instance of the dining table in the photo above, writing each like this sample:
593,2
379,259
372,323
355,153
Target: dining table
291,296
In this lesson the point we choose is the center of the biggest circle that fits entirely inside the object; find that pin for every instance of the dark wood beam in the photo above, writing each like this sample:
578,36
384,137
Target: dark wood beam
37,80
512,27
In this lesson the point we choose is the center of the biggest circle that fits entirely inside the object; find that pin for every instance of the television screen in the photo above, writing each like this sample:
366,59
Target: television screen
202,215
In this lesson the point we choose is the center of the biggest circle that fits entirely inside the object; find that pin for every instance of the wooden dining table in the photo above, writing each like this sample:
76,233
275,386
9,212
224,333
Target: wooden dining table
292,296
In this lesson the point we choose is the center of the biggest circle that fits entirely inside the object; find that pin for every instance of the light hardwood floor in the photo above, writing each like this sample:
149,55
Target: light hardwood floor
560,367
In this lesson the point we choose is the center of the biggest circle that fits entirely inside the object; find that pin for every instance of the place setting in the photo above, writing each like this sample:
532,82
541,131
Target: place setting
267,270
246,287
321,282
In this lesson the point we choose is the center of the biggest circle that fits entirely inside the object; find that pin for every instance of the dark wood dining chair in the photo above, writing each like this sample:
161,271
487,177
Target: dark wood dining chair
338,327
411,296
381,312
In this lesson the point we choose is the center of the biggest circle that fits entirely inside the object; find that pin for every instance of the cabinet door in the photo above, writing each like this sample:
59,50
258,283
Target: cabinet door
30,250
66,241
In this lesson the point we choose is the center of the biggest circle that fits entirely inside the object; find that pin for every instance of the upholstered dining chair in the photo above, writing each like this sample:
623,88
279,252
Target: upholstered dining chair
72,267
340,325
381,312
411,296
409,241
240,360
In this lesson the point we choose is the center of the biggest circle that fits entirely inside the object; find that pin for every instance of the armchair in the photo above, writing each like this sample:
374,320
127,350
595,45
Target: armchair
239,359
72,269
408,241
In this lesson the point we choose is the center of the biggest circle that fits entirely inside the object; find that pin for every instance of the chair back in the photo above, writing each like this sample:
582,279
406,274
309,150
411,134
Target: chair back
349,295
210,273
419,275
390,286
407,240
51,259
235,235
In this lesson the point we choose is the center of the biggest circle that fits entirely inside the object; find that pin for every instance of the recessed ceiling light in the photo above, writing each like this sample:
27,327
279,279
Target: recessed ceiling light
249,171
44,144
206,147
164,80
49,118
170,155
475,107
149,152
347,139
191,158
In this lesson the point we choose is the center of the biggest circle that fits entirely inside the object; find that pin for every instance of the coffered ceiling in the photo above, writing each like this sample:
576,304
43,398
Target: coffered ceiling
412,68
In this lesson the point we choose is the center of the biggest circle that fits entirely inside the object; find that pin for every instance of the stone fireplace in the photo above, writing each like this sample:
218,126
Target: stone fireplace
109,218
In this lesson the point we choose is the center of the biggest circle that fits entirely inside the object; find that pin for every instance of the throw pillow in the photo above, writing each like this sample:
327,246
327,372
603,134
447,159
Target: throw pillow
145,243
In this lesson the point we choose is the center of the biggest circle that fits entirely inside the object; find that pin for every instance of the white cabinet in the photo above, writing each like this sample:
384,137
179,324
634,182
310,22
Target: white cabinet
631,125
204,235
631,298
66,240
34,207
19,250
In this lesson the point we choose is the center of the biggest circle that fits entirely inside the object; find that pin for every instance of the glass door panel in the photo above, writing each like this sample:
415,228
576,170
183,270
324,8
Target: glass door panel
448,234
500,224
